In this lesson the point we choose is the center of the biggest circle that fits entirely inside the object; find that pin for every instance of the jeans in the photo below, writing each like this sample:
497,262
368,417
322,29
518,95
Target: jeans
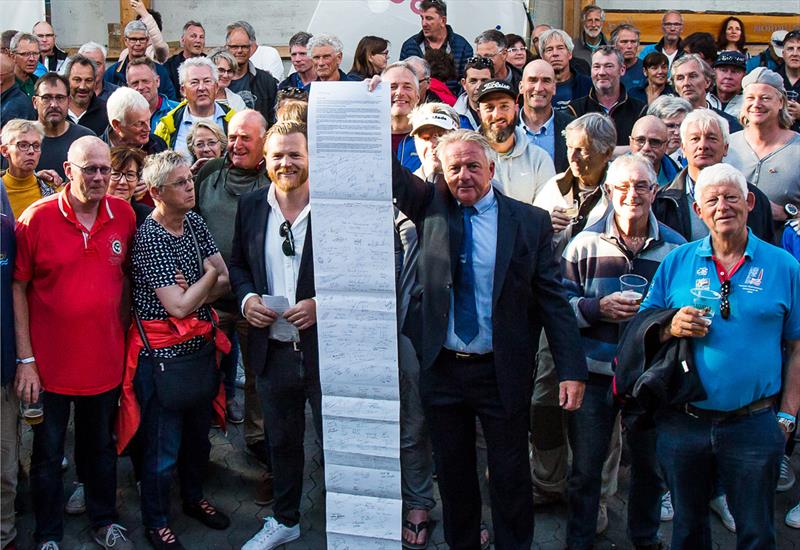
283,388
416,458
590,431
9,461
743,453
169,439
94,449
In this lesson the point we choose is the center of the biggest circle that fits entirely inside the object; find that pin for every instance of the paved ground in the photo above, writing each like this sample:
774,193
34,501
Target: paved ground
230,485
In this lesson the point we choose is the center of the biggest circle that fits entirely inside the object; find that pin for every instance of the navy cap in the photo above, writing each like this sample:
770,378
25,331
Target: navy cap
731,58
496,86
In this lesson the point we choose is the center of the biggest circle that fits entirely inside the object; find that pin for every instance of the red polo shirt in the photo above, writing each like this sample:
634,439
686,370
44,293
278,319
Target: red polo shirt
75,289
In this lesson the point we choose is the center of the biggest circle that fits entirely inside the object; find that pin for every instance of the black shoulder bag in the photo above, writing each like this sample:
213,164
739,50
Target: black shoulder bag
188,381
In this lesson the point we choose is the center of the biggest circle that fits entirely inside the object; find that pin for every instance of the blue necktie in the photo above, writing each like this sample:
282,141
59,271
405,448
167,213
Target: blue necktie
466,313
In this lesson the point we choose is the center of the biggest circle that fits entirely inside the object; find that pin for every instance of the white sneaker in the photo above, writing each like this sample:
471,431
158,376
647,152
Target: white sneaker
793,517
272,535
667,511
602,518
719,506
76,504
787,478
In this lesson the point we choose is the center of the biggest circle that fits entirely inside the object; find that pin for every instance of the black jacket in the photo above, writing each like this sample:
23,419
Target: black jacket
248,274
264,88
624,114
672,208
96,117
527,291
649,374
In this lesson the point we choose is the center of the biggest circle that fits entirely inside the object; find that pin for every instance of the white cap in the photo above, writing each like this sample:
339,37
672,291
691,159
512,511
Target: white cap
440,120
778,36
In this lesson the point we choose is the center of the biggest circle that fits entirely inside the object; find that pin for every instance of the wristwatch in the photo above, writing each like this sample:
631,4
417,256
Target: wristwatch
787,422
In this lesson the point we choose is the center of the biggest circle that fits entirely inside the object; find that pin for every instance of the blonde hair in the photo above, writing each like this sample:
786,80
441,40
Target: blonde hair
464,136
211,127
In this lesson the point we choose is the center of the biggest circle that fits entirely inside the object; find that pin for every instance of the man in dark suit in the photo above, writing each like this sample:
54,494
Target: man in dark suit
488,283
272,255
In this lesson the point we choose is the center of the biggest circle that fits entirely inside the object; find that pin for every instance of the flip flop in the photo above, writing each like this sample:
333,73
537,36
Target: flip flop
488,543
417,528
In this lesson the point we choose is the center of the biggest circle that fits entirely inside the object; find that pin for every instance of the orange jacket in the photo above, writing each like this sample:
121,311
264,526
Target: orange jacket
161,334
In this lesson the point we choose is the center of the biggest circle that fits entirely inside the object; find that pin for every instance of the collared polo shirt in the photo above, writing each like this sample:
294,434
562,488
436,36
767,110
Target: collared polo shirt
188,121
545,137
75,282
739,360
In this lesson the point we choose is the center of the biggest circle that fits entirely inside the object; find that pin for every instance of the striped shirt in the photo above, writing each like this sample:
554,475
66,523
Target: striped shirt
591,266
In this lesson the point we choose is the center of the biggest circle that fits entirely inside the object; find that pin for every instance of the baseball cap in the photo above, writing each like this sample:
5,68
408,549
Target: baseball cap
440,120
762,75
731,58
777,41
496,86
791,35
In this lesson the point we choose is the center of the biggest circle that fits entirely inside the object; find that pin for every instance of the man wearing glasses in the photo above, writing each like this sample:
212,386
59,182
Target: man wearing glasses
591,36
285,362
492,44
670,43
51,101
257,87
72,249
25,49
735,434
649,138
51,55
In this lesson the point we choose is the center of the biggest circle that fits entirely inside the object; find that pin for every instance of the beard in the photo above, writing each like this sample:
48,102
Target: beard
288,184
497,136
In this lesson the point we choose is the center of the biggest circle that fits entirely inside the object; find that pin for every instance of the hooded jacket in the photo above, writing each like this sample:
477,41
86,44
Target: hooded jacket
524,170
455,44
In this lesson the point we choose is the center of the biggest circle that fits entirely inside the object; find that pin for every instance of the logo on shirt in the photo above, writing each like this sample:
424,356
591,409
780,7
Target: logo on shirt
116,247
702,271
702,283
754,276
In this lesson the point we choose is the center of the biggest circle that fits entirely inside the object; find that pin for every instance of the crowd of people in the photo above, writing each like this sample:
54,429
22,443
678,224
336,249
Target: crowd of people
597,246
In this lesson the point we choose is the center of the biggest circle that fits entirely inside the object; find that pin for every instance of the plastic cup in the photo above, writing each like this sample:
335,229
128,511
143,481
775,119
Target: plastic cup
707,301
32,413
633,287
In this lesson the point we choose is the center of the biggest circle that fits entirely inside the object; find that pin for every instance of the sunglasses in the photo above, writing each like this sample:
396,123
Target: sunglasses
288,239
724,304
480,62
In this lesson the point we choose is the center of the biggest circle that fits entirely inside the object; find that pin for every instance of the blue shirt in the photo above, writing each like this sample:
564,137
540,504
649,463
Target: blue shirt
188,121
739,360
166,106
484,250
545,137
634,76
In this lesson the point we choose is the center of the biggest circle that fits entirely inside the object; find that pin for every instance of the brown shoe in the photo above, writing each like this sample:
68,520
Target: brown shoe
264,495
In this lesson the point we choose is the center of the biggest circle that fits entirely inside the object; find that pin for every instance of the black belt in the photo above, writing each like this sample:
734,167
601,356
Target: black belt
474,357
281,344
718,416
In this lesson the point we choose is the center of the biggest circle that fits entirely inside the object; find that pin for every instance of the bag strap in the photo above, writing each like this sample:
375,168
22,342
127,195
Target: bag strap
145,341
202,271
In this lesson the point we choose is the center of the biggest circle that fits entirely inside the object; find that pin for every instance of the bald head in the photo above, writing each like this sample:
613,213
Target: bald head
250,118
538,85
87,160
84,146
649,138
247,133
47,37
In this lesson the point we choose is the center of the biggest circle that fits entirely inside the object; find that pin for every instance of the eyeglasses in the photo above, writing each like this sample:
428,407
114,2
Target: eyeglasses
53,98
480,62
517,49
639,188
137,40
641,141
92,170
673,24
724,304
238,46
24,146
29,55
182,183
129,176
386,53
288,239
211,143
222,71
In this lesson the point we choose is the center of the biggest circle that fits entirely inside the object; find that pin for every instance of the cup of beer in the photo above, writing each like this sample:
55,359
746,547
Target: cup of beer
633,287
32,413
707,301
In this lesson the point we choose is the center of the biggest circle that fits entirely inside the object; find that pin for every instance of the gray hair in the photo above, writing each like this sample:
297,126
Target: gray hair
137,25
124,100
197,62
325,40
610,50
93,47
706,69
464,136
420,63
716,175
211,127
300,39
158,167
599,129
622,166
624,27
668,12
493,35
667,106
548,36
241,25
420,112
589,9
226,55
18,126
77,59
704,118
401,65
22,37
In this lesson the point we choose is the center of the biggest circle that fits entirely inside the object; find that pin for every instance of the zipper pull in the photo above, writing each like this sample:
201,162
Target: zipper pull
162,366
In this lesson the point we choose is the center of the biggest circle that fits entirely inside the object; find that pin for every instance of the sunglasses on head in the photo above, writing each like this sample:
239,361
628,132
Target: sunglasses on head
480,62
288,239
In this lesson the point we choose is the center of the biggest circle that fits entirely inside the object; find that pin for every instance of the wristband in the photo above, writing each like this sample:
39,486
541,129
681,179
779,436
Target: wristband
26,360
787,416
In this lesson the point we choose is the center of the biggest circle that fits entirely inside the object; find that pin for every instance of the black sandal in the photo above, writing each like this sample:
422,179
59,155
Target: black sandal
417,528
163,539
206,514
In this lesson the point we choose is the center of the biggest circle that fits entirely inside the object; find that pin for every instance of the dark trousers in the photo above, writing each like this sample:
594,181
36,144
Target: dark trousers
169,439
456,391
590,430
283,388
743,453
94,451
